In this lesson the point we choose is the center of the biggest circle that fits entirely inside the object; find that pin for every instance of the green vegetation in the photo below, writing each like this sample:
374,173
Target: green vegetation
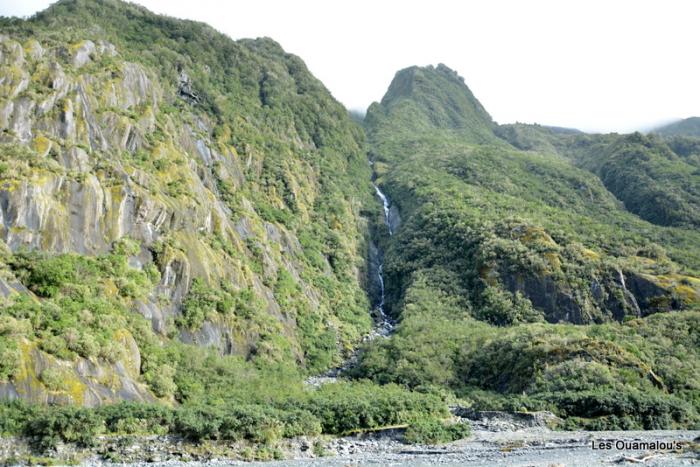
499,248
187,223
644,173
431,431
247,178
686,127
336,409
263,138
656,178
83,312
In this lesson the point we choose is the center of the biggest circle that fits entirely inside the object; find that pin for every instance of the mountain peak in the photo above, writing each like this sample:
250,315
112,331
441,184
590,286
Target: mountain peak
415,78
435,97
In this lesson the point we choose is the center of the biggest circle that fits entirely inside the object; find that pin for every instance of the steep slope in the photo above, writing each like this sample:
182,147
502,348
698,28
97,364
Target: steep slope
164,185
491,235
686,127
651,179
655,177
420,100
536,205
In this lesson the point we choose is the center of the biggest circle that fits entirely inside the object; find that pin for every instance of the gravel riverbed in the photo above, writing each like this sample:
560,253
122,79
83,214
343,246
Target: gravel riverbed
498,438
527,447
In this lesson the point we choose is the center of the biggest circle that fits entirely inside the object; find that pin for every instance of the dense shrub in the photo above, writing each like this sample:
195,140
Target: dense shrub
344,408
14,416
435,431
69,424
136,418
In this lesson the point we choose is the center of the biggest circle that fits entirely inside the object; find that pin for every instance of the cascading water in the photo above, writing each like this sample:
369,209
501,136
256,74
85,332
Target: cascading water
386,324
385,204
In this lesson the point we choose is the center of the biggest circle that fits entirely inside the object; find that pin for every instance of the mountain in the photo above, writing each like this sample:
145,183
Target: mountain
686,127
193,242
656,178
185,238
556,277
423,99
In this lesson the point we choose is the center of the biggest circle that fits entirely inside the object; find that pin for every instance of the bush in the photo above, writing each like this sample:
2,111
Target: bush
344,408
10,356
256,423
69,424
300,423
252,423
626,410
136,418
434,431
14,416
197,423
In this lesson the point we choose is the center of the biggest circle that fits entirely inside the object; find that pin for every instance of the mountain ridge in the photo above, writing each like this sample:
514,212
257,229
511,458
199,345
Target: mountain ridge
523,270
685,127
188,223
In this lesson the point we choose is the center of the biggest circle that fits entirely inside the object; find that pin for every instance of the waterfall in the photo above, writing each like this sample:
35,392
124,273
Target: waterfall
385,204
386,324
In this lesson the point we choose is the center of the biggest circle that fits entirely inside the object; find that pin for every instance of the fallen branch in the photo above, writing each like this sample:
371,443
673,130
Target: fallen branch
636,459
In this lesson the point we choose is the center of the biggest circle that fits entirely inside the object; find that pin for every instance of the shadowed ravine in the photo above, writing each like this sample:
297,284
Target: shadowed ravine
383,324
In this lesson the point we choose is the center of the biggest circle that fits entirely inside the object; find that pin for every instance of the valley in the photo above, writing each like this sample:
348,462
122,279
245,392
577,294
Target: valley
199,244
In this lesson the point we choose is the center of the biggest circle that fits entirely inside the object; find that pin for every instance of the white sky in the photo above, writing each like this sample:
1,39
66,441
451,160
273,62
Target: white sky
596,65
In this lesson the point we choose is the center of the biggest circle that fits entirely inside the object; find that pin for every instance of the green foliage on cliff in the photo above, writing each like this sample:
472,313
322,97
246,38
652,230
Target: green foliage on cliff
645,173
239,176
499,247
186,223
243,187
656,178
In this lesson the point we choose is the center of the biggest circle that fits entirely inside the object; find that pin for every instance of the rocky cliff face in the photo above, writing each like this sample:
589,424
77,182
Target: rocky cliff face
223,183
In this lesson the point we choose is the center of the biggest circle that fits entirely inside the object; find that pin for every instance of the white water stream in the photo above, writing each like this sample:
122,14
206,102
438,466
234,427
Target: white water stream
386,324
383,326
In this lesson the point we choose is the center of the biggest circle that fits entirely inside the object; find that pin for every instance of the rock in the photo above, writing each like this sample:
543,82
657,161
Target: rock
33,49
500,421
82,53
545,294
106,48
80,382
184,88
109,164
20,122
651,296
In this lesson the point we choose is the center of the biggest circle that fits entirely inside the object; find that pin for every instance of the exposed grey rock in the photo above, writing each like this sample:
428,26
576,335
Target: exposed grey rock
84,380
507,421
106,48
204,152
75,159
394,217
651,297
20,122
545,294
185,89
34,49
83,53
533,446
94,181
209,335
6,113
